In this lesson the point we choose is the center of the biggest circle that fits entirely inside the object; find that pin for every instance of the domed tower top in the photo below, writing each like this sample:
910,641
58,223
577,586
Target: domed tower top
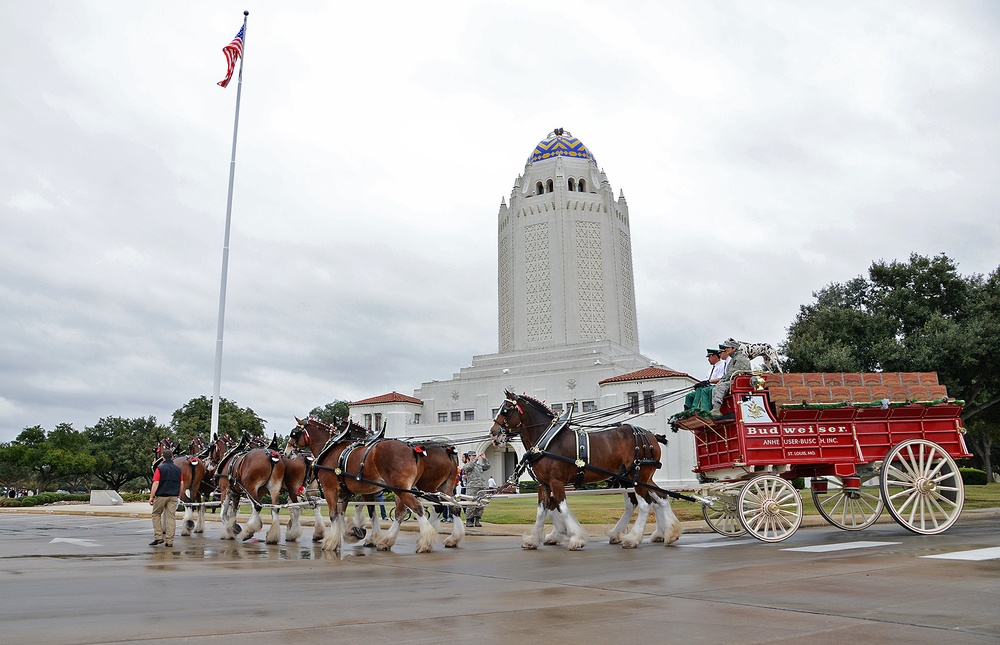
560,143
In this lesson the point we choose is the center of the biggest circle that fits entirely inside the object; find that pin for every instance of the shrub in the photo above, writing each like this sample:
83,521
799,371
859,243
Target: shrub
973,476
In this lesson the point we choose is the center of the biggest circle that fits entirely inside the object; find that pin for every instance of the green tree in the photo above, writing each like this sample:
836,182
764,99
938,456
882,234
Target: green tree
332,412
920,315
195,418
123,448
62,454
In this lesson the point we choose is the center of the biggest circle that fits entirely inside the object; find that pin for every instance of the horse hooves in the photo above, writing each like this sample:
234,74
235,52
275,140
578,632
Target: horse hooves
317,540
657,539
189,524
358,532
529,547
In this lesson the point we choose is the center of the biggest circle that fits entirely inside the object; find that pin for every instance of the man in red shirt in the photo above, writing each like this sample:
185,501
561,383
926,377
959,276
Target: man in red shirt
168,482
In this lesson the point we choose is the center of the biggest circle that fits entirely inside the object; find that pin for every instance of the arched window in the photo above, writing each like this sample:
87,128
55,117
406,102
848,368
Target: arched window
583,185
571,184
549,186
538,188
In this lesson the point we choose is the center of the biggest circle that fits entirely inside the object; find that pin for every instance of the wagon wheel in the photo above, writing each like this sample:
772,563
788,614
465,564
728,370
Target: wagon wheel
922,487
407,514
723,517
769,508
848,507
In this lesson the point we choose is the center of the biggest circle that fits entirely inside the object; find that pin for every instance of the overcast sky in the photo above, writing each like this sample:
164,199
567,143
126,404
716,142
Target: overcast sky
766,149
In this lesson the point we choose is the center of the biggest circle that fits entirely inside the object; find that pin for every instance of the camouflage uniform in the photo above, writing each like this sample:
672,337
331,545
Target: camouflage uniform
739,362
475,481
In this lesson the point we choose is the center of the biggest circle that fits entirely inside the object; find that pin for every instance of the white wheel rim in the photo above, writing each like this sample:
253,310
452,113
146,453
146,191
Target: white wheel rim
922,487
849,510
724,520
770,508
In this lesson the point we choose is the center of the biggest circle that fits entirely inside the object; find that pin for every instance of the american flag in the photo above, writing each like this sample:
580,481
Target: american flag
232,51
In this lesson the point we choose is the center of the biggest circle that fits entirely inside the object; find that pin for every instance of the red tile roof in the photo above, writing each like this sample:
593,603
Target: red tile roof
644,374
391,397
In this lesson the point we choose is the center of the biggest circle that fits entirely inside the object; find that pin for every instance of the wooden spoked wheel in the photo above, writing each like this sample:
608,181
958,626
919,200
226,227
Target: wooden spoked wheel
723,517
922,487
770,509
851,508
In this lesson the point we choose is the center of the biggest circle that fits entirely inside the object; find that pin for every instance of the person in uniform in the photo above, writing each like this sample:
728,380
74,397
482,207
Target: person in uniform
701,396
472,469
738,361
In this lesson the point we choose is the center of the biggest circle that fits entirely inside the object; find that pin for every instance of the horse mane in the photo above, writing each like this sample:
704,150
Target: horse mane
542,407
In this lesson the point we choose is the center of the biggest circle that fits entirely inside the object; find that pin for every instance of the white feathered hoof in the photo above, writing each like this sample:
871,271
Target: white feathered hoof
577,544
630,543
675,533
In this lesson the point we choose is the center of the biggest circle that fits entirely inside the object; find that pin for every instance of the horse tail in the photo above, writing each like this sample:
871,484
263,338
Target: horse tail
662,438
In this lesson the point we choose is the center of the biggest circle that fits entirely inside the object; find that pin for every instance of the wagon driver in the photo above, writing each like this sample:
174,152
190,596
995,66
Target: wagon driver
701,397
738,362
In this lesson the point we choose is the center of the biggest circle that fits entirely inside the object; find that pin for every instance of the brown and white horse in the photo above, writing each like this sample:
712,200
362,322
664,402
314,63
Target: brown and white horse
251,473
624,453
299,473
346,466
199,491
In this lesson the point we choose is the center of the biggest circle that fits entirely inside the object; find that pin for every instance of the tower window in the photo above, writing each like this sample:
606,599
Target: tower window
549,186
539,190
571,184
583,186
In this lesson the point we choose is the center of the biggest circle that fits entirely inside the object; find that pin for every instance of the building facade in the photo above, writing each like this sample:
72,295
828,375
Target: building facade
567,326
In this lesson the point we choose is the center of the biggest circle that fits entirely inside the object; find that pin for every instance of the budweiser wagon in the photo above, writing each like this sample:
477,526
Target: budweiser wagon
868,442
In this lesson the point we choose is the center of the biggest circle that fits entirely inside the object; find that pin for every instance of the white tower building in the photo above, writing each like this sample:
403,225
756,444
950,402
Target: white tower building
565,254
567,326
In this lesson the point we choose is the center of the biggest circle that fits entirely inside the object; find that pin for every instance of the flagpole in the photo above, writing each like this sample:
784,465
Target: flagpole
225,247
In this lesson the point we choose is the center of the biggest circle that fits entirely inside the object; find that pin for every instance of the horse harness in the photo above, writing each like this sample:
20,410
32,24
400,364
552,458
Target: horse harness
644,452
368,444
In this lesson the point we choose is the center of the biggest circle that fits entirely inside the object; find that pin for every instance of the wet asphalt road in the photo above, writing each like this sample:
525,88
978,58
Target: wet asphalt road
73,579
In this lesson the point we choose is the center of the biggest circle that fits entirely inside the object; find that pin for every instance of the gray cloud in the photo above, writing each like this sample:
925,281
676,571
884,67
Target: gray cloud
765,151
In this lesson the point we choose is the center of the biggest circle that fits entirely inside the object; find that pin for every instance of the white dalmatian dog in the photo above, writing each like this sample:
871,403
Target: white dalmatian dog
762,350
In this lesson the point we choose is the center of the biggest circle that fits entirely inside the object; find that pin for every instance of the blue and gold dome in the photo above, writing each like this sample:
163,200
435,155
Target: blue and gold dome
560,143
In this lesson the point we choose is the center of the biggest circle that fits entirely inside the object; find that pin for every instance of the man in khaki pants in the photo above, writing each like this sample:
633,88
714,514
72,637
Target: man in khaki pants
168,482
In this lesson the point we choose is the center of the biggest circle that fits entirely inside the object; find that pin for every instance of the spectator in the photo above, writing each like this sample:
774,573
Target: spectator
472,468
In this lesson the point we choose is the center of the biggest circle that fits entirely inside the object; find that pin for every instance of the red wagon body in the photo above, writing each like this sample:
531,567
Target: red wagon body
852,433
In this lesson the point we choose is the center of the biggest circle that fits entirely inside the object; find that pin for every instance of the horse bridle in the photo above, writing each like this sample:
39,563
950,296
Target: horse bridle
502,421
